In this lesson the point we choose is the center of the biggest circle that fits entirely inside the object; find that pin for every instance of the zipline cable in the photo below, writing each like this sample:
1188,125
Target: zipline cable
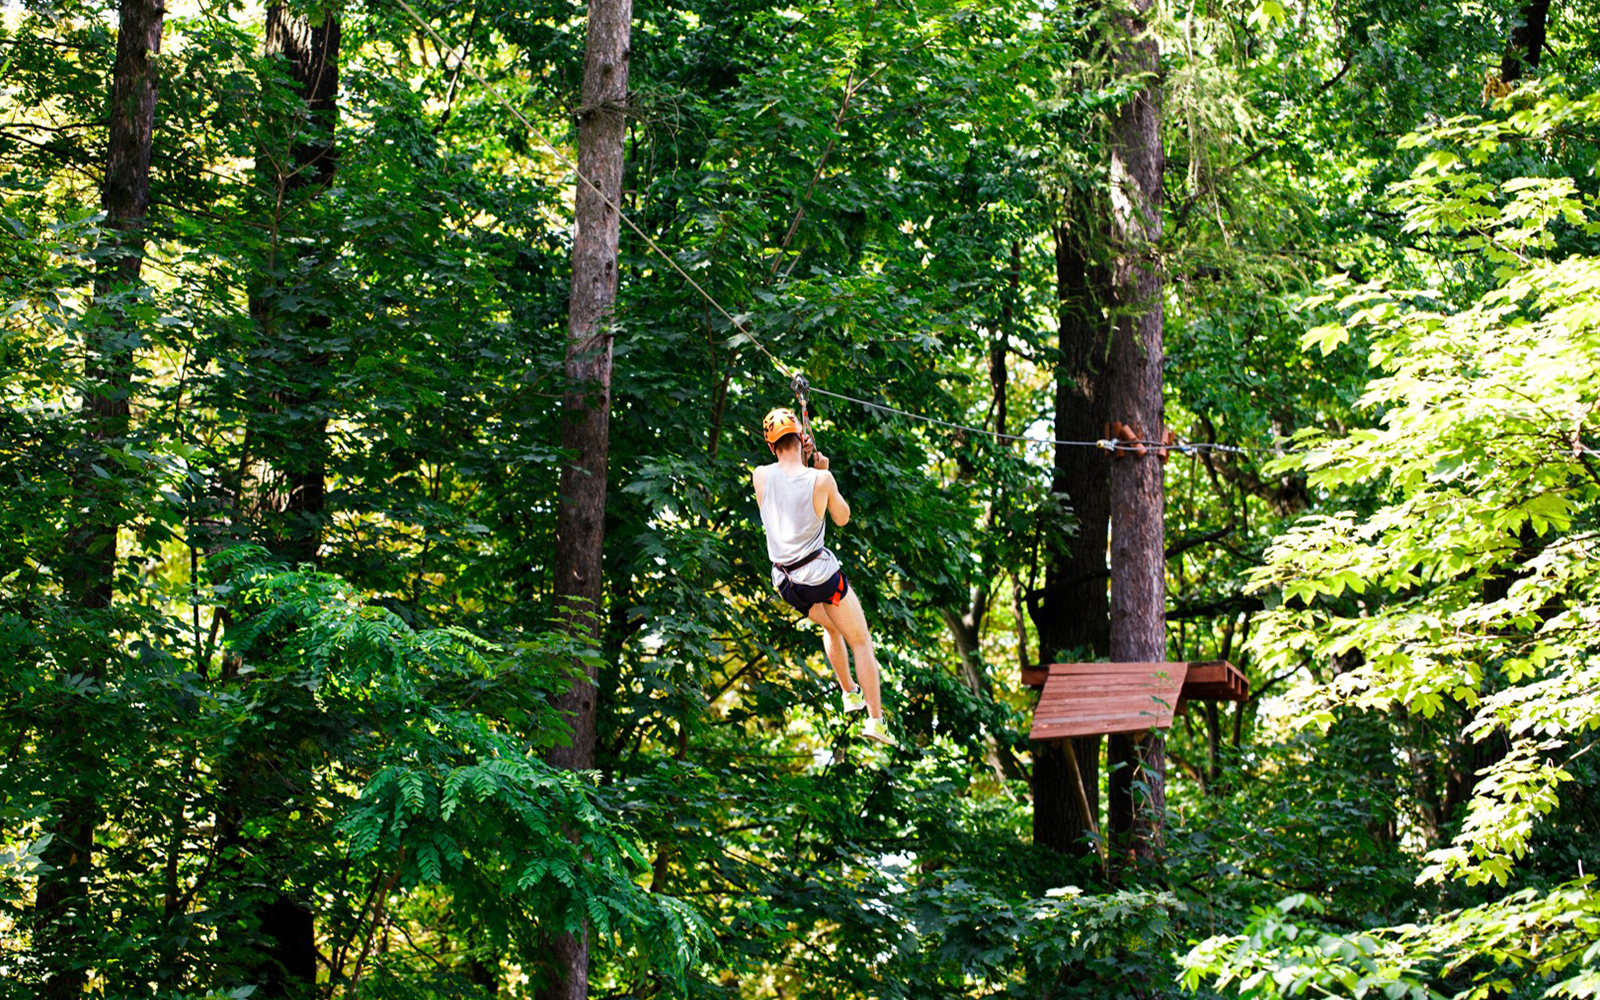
569,164
1108,445
790,373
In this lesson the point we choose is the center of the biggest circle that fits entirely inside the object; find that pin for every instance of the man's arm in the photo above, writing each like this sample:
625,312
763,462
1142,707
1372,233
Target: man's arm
836,502
833,501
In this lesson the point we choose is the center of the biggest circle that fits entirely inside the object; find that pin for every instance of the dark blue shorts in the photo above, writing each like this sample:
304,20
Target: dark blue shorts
802,595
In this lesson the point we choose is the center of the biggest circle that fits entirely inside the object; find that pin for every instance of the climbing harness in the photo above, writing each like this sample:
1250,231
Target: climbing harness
787,568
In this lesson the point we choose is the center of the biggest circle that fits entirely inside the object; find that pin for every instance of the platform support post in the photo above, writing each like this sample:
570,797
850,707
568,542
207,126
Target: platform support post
1083,801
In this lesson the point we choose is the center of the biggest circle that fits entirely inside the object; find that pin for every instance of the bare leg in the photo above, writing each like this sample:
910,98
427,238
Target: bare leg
833,645
848,620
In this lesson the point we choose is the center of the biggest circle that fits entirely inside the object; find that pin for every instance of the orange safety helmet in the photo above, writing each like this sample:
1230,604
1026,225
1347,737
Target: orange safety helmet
779,422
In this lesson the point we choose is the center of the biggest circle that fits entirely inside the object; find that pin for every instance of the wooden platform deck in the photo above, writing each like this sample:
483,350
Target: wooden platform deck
1088,699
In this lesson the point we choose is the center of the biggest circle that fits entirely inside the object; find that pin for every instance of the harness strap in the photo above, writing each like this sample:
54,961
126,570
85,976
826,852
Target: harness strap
787,568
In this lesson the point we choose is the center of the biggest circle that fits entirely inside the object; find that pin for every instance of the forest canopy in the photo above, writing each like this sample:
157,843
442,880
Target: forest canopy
385,609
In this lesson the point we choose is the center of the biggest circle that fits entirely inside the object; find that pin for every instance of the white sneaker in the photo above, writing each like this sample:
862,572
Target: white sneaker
854,701
874,729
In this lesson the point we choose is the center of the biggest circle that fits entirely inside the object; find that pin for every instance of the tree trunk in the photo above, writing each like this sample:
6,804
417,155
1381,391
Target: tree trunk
965,629
290,428
1071,614
1526,42
311,53
1138,570
108,374
999,346
288,966
294,439
585,429
61,907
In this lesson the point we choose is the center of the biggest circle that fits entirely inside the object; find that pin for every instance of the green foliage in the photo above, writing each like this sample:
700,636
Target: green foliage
1540,937
1469,581
1277,956
343,709
455,799
361,762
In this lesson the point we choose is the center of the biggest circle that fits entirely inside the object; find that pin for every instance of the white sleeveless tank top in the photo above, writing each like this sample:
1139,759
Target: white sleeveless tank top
794,530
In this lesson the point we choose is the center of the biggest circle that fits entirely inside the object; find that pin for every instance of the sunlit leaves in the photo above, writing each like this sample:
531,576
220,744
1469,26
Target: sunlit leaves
1278,956
1468,586
1490,950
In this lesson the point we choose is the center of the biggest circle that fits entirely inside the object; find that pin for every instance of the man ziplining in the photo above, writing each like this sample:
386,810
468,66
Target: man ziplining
793,498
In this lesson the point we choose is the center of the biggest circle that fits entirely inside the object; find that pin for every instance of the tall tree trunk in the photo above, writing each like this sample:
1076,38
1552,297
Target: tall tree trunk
112,340
585,428
288,965
1072,612
1526,42
999,346
61,908
1138,569
290,432
294,439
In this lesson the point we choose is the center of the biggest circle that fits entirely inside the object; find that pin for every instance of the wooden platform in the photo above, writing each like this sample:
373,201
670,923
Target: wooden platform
1089,699
1215,680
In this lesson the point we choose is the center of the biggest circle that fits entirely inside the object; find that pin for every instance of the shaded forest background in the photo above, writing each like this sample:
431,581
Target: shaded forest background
281,454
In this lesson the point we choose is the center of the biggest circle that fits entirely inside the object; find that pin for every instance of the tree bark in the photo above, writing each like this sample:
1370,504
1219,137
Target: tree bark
289,429
1526,42
125,197
999,345
294,440
1138,569
585,429
61,911
311,53
965,629
288,966
1071,614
